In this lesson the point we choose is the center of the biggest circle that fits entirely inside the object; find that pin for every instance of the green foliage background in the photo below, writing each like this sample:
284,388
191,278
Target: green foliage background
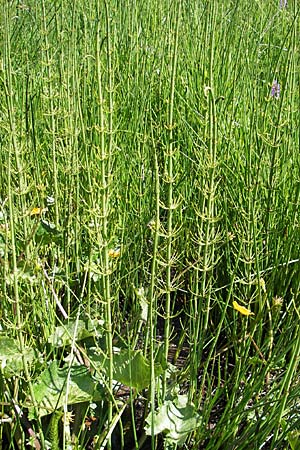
166,178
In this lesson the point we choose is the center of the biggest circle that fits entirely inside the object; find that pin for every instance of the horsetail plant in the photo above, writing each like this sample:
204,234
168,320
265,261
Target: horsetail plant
206,234
50,107
13,155
152,299
149,224
105,132
169,179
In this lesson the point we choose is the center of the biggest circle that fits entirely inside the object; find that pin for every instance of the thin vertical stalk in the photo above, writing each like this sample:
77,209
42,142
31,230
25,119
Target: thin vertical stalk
208,256
286,384
52,112
272,181
295,353
170,152
105,157
209,211
152,302
12,153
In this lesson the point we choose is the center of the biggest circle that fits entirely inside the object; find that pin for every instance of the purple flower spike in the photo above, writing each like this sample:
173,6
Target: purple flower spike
275,91
283,4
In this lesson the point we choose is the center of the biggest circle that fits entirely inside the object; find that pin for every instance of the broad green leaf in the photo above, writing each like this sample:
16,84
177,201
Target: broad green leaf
25,272
64,334
130,368
175,419
47,233
11,360
56,386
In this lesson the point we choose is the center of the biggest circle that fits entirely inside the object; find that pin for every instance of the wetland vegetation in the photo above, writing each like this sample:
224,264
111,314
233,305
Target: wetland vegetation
149,224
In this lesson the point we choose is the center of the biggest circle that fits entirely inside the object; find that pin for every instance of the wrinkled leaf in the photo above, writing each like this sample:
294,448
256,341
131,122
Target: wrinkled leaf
11,358
130,368
64,335
176,419
54,384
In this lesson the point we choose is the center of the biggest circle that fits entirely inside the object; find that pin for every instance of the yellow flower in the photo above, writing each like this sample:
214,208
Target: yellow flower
242,309
114,252
38,211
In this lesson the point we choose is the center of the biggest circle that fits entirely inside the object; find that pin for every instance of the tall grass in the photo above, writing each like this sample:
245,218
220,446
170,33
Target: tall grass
149,180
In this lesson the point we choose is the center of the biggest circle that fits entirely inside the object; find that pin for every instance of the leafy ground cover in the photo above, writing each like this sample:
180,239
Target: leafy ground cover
149,224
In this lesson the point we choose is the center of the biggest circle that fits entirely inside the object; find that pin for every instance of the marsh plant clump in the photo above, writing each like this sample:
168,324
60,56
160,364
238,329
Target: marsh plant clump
149,225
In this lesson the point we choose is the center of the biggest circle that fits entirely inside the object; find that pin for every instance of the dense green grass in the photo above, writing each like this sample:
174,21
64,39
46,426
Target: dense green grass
149,179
